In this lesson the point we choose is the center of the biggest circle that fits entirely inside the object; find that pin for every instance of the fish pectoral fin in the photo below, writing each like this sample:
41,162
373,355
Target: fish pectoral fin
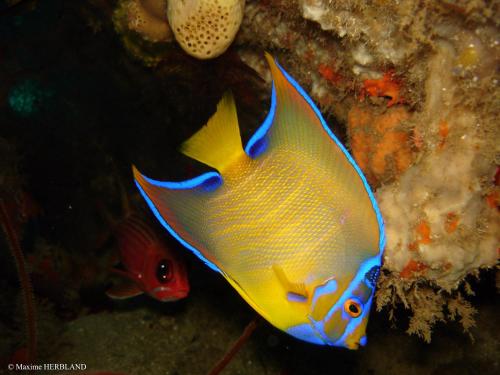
295,291
125,289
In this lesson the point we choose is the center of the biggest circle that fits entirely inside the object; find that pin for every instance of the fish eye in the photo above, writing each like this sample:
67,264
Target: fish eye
163,271
353,307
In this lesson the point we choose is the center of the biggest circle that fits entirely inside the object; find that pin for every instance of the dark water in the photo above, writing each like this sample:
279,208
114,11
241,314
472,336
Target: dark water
76,111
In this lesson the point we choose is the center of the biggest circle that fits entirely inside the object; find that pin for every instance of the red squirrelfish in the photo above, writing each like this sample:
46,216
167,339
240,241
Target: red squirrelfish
147,263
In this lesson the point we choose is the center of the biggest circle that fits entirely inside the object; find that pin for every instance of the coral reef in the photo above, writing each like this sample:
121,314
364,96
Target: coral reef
417,91
424,133
144,32
437,214
422,120
428,304
149,18
416,87
203,28
379,142
387,86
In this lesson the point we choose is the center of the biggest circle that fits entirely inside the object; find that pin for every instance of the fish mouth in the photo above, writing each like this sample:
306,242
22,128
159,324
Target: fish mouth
354,346
349,344
357,344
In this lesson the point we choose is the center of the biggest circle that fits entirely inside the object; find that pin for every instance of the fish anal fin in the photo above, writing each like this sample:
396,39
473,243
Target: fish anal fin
296,292
218,143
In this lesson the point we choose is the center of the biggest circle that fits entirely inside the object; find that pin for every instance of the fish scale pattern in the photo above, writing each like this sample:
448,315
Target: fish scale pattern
284,208
290,214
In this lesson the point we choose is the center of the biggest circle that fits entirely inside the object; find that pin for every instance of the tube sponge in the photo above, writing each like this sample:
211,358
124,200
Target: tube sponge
205,28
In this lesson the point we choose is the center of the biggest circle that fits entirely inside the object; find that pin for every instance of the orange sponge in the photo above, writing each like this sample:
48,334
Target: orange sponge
379,144
387,86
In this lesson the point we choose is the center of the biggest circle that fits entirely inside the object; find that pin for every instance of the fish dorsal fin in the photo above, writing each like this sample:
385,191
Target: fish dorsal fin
295,126
219,141
295,291
293,120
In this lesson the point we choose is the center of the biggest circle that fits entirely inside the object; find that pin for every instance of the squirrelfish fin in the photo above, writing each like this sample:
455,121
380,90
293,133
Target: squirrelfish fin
219,141
295,291
126,289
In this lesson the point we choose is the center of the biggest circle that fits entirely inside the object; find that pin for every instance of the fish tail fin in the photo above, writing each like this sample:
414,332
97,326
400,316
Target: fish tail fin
219,141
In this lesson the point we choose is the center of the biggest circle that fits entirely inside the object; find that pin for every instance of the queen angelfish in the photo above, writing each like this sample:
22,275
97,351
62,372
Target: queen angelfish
290,221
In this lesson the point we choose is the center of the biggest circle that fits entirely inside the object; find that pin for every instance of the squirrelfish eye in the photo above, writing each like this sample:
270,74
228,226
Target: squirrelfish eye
163,271
353,307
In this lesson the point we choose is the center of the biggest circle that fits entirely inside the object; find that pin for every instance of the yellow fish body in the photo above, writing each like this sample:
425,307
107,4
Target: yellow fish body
289,221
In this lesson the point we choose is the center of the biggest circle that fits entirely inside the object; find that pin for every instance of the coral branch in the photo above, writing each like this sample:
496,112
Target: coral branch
235,348
24,279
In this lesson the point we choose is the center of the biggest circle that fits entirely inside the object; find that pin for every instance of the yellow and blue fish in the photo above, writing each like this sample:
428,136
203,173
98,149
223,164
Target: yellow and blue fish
289,220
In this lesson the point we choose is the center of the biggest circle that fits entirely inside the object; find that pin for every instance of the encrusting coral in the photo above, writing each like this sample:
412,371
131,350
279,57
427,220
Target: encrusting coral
379,142
437,214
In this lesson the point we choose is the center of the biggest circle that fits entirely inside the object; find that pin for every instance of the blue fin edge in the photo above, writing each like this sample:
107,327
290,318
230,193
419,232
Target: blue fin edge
207,181
188,184
252,148
266,125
